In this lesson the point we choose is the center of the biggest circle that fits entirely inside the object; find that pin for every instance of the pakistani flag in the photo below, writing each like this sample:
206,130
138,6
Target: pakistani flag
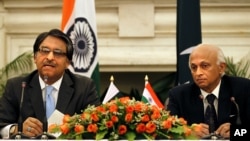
111,92
149,96
188,36
79,23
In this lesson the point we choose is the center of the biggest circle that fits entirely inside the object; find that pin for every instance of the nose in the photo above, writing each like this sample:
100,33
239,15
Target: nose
50,56
198,71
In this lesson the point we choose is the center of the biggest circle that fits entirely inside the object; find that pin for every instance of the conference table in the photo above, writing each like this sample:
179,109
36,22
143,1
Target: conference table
118,140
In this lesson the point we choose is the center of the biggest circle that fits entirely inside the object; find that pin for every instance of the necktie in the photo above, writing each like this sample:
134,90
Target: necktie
210,114
50,104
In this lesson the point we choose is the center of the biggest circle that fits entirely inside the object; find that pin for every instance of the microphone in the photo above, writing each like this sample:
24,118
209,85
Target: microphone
213,136
45,120
19,134
45,135
201,97
238,121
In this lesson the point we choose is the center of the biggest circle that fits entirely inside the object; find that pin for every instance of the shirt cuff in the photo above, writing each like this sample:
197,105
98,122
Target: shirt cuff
5,131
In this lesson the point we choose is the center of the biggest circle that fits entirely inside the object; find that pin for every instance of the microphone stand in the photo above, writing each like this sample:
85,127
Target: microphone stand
45,135
238,120
213,136
19,135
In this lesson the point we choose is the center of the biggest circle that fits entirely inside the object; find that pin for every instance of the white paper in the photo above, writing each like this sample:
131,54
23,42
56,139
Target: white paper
56,118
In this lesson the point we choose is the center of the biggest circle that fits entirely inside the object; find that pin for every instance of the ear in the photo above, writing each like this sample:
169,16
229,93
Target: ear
34,58
222,67
67,63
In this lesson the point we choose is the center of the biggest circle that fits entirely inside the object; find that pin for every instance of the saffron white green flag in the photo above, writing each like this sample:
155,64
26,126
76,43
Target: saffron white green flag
149,96
111,92
79,23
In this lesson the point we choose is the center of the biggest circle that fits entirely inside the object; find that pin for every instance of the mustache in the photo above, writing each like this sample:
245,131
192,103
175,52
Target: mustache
49,63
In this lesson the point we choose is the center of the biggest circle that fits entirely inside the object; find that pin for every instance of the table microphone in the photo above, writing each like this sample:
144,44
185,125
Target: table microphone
238,121
212,136
19,134
45,135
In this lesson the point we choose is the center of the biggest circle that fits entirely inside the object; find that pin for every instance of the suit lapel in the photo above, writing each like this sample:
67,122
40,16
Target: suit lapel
197,103
224,103
35,94
65,94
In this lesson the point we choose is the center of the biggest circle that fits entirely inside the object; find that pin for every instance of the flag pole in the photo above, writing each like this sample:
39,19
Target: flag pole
111,92
111,78
146,79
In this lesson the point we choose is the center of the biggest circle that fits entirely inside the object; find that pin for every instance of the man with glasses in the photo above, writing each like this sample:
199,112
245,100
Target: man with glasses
25,97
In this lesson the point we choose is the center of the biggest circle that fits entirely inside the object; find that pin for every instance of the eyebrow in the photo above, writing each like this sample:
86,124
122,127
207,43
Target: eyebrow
52,49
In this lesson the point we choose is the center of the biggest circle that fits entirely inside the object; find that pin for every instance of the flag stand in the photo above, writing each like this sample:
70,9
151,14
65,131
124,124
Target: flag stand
111,78
146,79
111,92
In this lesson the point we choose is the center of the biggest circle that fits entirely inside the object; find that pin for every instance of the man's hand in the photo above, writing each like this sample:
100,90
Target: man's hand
224,130
32,127
200,130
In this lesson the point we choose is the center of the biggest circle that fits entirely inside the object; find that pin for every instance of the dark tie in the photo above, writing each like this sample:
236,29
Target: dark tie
210,114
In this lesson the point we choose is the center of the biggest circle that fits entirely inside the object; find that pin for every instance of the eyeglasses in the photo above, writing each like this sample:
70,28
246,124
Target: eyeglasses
57,52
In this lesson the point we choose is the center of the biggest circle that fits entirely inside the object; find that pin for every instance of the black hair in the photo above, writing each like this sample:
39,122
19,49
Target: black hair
58,34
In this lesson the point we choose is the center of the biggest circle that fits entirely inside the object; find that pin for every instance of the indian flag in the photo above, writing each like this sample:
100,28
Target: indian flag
149,96
79,23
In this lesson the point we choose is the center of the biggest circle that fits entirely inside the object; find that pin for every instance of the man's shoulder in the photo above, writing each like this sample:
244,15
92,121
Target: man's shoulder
77,77
18,78
27,78
185,88
184,91
235,79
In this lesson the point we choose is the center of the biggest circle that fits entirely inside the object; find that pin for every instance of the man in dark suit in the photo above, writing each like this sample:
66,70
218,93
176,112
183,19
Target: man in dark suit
71,93
207,65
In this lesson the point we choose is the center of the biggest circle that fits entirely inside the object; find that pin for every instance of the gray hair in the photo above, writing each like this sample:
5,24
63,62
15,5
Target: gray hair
220,56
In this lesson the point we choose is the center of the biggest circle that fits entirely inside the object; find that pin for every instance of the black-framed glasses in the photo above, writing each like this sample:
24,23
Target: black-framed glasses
56,52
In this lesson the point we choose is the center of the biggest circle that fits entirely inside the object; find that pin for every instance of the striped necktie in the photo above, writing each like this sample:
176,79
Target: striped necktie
210,114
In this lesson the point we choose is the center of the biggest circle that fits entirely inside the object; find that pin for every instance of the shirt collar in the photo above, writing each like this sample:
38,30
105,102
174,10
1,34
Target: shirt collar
215,91
56,85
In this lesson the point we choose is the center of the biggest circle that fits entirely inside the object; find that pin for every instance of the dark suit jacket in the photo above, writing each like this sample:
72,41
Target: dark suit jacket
185,101
75,94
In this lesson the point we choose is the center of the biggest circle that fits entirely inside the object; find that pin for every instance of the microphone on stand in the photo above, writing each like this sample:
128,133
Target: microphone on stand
212,136
19,134
238,121
45,135
201,97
